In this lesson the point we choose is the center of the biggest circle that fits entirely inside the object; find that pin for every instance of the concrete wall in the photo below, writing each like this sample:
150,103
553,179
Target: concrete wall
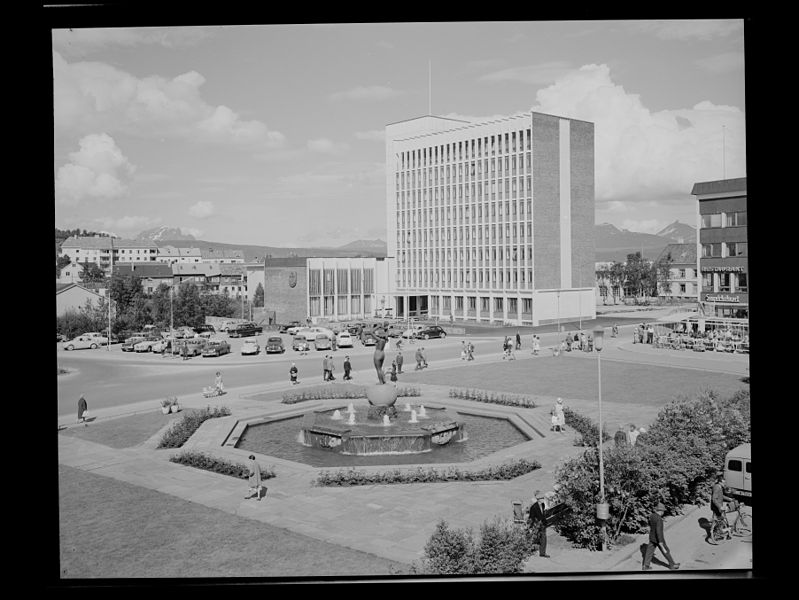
288,303
546,202
582,204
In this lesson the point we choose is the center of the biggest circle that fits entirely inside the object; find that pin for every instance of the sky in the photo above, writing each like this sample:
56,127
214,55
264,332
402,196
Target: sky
274,134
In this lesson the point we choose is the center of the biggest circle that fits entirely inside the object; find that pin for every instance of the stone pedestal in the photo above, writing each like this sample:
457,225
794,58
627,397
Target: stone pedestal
384,394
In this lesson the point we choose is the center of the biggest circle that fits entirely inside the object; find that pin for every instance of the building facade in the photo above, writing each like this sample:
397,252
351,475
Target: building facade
151,274
171,255
104,251
683,281
491,221
722,248
73,297
222,256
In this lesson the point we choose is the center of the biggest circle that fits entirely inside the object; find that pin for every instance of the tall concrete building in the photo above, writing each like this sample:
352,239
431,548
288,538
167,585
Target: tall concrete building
492,221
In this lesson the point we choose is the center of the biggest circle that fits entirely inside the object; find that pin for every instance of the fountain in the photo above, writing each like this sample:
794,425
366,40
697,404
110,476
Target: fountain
336,415
386,421
351,420
422,412
407,407
413,417
350,408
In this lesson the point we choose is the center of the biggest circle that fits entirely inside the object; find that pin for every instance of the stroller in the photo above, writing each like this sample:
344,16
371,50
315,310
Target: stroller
213,391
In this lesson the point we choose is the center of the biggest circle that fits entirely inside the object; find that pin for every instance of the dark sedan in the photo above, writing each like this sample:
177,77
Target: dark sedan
245,330
274,345
432,331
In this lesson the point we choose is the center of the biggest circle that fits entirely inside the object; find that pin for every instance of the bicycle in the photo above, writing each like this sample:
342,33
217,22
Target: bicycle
721,530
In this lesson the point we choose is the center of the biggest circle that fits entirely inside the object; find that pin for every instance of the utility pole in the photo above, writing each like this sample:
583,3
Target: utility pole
108,293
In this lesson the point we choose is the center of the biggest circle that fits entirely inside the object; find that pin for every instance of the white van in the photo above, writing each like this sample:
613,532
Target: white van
738,471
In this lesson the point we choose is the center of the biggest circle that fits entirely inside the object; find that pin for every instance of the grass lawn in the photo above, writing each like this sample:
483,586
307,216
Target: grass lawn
124,432
164,536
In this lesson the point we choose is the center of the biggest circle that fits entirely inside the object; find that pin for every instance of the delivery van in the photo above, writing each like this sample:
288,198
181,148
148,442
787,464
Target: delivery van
738,471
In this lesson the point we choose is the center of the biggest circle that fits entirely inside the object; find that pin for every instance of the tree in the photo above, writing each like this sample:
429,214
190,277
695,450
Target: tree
187,307
258,298
160,305
663,274
91,273
60,263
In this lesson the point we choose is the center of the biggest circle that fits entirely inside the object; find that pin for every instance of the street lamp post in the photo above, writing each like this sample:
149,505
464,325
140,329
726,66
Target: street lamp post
171,320
601,507
558,311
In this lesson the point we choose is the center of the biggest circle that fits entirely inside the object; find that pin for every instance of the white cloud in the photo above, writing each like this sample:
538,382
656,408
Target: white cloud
92,96
96,170
202,209
689,29
374,135
326,146
722,63
374,92
644,155
540,74
198,233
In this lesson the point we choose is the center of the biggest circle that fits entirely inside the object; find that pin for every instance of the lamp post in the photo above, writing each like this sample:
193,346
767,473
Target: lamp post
558,311
601,507
171,320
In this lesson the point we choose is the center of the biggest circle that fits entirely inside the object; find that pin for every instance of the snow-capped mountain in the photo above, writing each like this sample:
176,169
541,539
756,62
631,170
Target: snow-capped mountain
681,233
163,233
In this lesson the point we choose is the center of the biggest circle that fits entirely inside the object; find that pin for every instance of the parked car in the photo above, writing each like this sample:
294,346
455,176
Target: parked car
101,338
129,343
368,339
194,346
146,345
204,329
394,330
738,472
412,332
81,343
162,345
250,347
322,342
274,345
226,325
431,331
285,328
344,340
245,329
298,339
216,348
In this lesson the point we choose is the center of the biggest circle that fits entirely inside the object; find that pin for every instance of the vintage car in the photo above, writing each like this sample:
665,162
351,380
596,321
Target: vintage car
162,346
81,343
289,326
344,340
431,331
299,340
146,345
322,342
216,348
130,342
250,347
194,346
245,329
274,345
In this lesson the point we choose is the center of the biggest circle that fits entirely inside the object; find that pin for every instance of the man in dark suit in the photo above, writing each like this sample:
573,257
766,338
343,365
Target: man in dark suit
657,540
538,523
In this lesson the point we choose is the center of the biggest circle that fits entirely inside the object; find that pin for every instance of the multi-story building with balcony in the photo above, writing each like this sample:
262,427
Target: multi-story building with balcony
105,252
722,248
492,221
171,255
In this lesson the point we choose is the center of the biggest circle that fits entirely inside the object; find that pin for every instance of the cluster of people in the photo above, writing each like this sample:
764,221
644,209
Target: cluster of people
507,349
626,435
558,417
577,341
644,334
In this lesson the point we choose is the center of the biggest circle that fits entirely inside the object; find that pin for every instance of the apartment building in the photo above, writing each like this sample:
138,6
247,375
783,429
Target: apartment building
103,251
722,248
491,221
683,281
171,255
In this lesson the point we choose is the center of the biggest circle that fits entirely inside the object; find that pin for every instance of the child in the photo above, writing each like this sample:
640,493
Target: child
393,376
553,420
293,374
536,345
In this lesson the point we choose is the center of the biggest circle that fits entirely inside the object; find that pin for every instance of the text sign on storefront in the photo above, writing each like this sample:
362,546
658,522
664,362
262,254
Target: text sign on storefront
724,269
723,298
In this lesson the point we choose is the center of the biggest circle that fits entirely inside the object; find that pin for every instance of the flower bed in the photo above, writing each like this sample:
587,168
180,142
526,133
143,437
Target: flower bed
492,397
201,460
182,430
341,392
349,477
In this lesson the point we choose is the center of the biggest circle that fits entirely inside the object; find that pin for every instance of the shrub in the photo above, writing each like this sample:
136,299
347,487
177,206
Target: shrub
449,551
183,429
492,398
341,392
503,472
588,430
207,462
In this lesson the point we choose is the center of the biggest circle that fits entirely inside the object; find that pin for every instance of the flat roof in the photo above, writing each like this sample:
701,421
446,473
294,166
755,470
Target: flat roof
720,186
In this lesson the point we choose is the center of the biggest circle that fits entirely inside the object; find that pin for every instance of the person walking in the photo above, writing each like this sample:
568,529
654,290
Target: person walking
538,523
650,334
470,351
334,342
536,345
614,331
347,368
518,341
560,414
293,372
717,500
393,374
218,384
254,474
330,368
463,350
657,540
82,409
399,360
184,351
325,368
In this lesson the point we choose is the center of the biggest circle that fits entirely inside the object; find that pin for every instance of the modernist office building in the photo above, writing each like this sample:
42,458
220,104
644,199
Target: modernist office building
722,248
492,221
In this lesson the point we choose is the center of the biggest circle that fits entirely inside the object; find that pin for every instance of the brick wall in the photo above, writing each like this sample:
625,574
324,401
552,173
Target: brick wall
288,303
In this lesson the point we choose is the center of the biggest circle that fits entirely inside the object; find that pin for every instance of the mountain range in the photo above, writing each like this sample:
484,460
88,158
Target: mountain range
612,243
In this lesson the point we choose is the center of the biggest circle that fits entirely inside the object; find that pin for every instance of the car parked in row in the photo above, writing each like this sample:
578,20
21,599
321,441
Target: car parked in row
146,345
162,345
245,329
81,342
322,342
250,347
130,342
216,348
298,341
194,346
344,339
288,326
431,331
274,345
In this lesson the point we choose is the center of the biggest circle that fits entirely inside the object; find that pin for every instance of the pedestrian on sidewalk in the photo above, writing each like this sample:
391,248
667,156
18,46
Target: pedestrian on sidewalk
331,368
538,523
393,374
536,345
614,331
254,474
325,368
218,384
399,360
518,341
560,414
463,350
717,500
347,368
293,374
82,409
657,539
470,351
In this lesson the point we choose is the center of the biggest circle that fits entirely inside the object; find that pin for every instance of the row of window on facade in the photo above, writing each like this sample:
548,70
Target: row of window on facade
339,305
497,143
415,215
340,281
465,234
447,303
515,187
681,289
730,219
507,253
724,282
481,169
489,277
724,249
